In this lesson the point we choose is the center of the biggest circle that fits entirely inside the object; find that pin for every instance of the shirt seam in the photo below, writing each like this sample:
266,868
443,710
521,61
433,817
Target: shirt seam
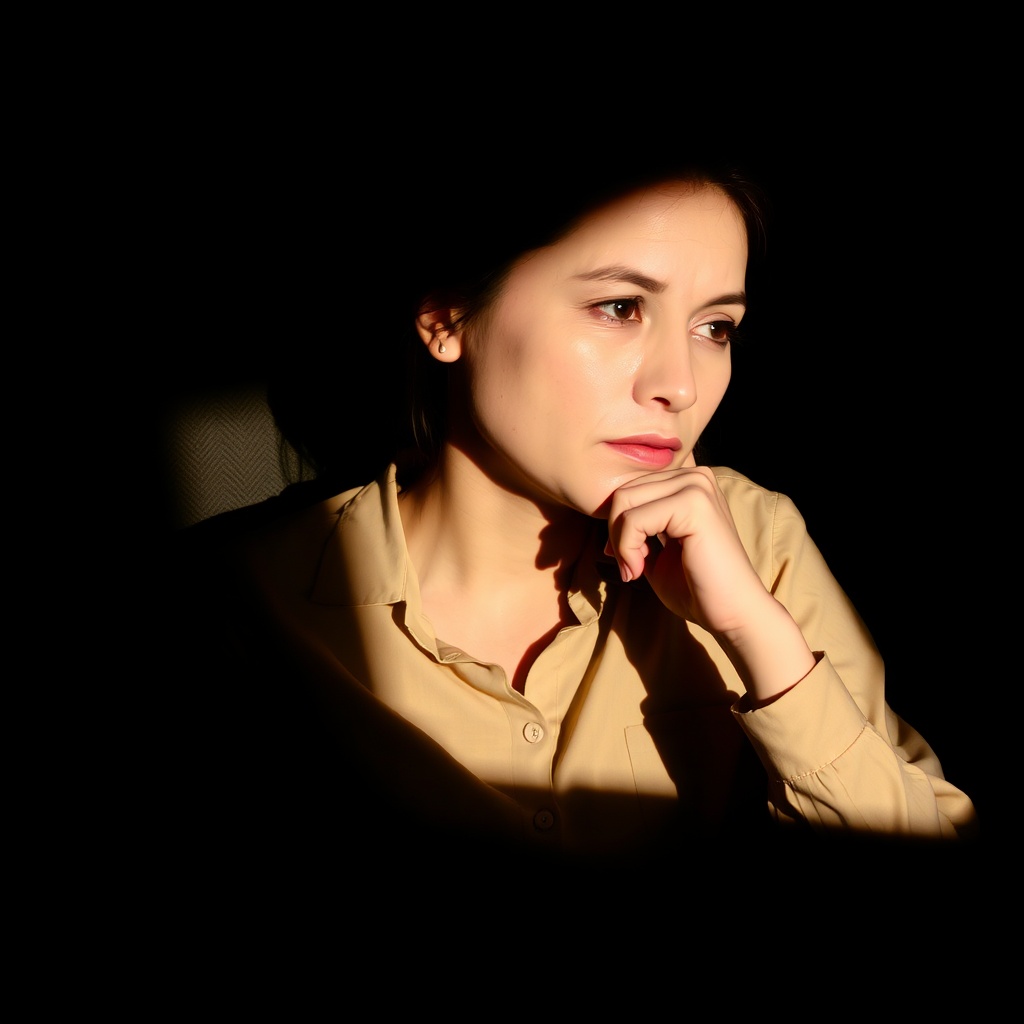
790,779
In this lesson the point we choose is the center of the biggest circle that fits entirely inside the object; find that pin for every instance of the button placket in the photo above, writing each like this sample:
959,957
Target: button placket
532,770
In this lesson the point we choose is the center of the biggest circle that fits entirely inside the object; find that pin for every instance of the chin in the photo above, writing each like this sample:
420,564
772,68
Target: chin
598,508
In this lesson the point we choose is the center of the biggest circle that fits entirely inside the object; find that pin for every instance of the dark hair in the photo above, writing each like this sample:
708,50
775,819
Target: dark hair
360,389
467,268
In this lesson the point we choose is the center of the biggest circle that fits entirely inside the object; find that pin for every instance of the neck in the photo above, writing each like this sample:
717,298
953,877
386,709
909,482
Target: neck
465,530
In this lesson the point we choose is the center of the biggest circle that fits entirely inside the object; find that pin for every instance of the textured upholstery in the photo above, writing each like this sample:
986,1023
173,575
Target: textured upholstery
224,451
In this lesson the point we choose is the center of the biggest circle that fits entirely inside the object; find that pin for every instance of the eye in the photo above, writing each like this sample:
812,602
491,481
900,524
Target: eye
618,310
721,332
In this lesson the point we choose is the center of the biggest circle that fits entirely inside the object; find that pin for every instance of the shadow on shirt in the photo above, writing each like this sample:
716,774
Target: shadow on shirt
277,773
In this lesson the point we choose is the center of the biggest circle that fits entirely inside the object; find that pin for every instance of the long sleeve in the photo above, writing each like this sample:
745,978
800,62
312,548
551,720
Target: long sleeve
836,754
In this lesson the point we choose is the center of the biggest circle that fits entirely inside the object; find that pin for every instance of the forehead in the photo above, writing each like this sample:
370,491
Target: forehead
673,232
671,212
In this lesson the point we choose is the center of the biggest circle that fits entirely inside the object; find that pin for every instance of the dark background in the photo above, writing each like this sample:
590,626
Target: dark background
869,386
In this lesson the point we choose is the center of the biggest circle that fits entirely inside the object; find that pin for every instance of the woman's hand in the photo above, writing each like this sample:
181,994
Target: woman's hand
700,571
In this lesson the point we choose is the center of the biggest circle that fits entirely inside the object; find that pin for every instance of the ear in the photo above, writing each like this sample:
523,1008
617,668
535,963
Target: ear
444,344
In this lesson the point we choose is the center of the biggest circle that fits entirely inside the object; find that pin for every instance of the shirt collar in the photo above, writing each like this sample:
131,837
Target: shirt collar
365,560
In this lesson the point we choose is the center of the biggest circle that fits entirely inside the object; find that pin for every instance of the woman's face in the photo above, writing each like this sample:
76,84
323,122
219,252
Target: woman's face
606,354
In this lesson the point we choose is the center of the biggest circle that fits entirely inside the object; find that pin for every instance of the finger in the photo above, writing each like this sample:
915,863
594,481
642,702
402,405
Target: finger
658,506
638,531
654,486
683,474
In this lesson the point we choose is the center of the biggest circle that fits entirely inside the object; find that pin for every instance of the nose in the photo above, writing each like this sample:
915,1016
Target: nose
665,376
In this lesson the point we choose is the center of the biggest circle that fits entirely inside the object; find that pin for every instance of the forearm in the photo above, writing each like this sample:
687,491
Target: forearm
769,653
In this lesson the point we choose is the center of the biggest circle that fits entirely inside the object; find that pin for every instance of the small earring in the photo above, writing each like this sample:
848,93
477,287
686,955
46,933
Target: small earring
439,331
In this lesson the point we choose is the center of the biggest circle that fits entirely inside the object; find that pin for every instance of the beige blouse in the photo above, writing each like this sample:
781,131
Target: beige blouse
632,725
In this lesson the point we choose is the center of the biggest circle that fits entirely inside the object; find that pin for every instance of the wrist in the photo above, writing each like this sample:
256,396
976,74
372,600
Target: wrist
770,654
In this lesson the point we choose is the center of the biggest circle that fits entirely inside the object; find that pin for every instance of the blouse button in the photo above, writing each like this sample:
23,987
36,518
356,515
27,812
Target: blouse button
533,732
543,820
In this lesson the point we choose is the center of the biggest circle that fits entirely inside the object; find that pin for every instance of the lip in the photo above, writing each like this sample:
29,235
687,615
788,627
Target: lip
647,449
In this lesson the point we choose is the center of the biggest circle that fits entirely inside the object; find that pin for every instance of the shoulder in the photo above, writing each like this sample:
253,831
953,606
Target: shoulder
766,519
287,512
288,527
745,496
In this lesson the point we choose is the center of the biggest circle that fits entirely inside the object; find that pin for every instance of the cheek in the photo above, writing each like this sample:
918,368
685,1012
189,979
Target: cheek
723,374
717,376
589,371
494,371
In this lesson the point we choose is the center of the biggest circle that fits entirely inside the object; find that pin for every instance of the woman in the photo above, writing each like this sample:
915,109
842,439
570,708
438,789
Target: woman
545,624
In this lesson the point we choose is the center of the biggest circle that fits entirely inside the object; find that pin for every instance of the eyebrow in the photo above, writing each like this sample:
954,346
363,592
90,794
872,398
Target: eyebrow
622,273
649,284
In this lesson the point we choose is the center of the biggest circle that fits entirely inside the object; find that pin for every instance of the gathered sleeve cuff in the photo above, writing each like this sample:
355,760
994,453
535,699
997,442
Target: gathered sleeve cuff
830,766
